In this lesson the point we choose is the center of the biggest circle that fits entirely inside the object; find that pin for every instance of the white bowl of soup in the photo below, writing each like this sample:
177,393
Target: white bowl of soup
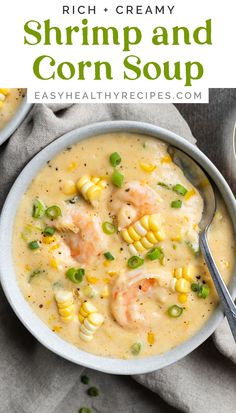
99,249
13,110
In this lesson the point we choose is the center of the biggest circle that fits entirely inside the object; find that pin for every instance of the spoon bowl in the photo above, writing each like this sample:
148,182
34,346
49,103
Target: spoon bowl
200,180
202,183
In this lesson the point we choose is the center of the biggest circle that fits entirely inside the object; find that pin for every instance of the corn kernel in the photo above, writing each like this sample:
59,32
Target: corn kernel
166,159
56,328
112,273
133,234
53,263
147,167
91,280
4,91
72,166
150,338
189,194
106,263
182,298
69,187
54,247
48,240
177,238
178,272
105,292
188,273
107,280
182,286
1,104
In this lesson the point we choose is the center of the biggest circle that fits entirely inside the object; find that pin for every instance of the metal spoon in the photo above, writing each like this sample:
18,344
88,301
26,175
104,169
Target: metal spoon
199,179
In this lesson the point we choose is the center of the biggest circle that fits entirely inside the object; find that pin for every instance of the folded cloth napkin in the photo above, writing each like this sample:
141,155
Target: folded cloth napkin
34,380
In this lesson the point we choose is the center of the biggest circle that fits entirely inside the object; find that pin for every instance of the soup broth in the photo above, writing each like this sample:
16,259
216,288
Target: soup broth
106,248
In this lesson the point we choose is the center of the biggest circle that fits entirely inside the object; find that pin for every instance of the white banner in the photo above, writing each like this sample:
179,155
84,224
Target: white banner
157,49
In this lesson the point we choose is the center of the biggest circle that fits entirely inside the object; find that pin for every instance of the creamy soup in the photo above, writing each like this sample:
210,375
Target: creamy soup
106,248
10,100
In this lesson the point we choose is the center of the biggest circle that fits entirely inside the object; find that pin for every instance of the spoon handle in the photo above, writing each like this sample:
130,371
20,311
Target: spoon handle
223,292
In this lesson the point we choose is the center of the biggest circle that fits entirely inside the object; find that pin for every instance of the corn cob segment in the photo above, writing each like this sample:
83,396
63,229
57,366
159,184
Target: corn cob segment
3,95
182,278
65,305
90,321
143,234
91,187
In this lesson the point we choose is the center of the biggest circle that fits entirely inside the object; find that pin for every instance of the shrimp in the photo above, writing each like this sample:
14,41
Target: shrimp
81,230
127,292
133,201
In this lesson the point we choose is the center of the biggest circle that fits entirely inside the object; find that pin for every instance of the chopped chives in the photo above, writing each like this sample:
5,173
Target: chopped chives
176,204
175,311
164,185
115,159
85,410
135,262
53,212
48,231
195,287
135,349
180,189
33,245
108,256
34,274
108,228
75,275
38,208
84,379
117,179
204,291
93,392
155,253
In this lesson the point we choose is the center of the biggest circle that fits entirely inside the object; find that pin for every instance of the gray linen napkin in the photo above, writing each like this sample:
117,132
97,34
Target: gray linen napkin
34,380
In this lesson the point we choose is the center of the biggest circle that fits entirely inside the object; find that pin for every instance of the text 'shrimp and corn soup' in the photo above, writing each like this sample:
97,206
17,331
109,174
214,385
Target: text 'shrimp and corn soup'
106,248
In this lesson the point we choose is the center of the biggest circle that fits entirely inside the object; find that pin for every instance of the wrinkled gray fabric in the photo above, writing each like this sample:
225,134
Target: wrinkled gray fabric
34,380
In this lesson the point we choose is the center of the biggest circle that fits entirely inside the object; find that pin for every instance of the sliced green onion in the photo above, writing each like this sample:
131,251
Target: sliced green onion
108,228
34,274
155,253
164,185
195,249
85,410
180,189
195,287
75,275
115,159
135,262
84,379
204,291
53,212
33,245
48,231
176,204
117,179
93,392
175,311
108,256
38,208
135,349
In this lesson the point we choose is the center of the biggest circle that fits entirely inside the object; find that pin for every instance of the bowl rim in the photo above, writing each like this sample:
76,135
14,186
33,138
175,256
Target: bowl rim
18,117
7,273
